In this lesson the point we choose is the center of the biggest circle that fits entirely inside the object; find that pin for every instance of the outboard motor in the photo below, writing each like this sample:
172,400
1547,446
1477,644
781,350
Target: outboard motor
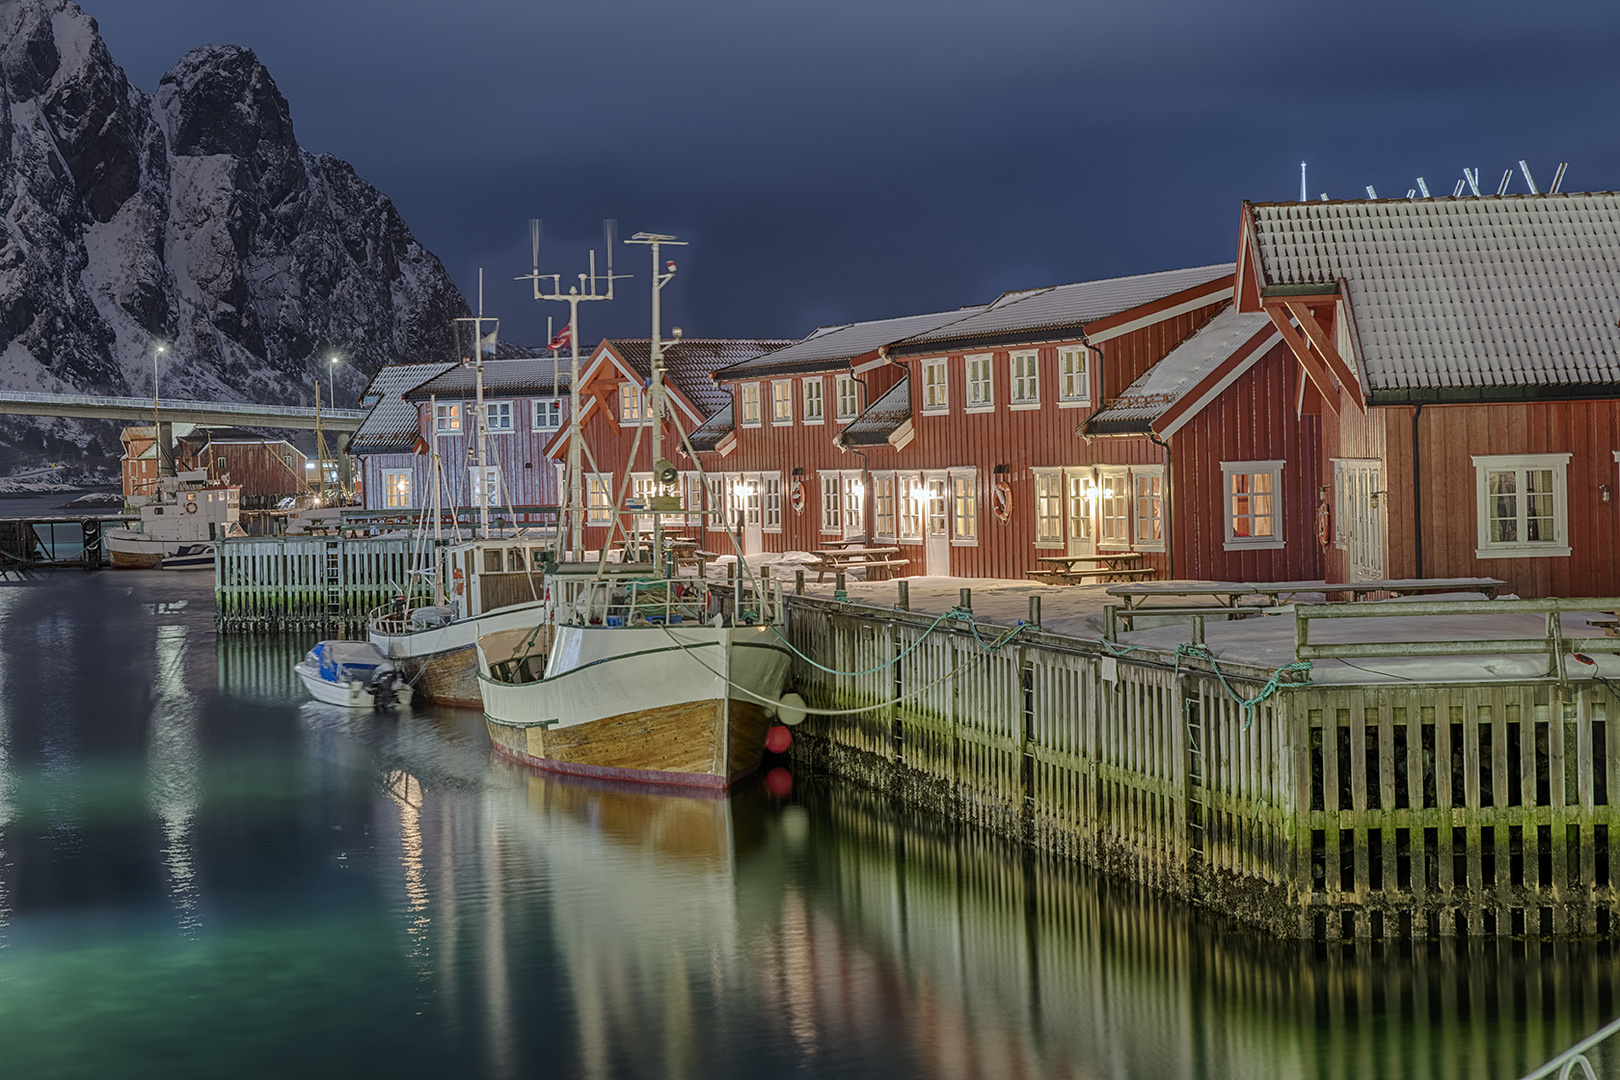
384,687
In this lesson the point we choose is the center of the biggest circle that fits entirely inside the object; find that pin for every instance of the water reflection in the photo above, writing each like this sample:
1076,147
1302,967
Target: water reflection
173,768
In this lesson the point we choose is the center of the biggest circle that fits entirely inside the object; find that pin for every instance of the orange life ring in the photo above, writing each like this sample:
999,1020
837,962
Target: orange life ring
1324,524
460,583
191,507
1001,501
796,497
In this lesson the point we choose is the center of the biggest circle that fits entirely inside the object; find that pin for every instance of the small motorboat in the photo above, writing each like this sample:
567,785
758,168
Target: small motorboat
190,557
354,674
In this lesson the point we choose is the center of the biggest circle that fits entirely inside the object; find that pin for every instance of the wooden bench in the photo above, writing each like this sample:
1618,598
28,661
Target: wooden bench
1076,577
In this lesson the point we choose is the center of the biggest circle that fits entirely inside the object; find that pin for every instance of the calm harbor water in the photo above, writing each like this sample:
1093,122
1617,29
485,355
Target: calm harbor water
203,873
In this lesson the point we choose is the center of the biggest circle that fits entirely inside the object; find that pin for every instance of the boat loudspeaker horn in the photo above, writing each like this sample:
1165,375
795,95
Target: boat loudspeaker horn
665,472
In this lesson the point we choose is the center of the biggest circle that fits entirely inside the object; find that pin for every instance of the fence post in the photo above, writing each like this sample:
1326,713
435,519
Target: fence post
798,582
1035,612
965,600
904,600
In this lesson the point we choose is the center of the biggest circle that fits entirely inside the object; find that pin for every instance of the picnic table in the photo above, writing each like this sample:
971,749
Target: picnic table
1104,566
1228,593
880,559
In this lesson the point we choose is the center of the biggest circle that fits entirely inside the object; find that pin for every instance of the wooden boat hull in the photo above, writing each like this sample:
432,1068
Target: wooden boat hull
701,744
449,678
135,560
442,663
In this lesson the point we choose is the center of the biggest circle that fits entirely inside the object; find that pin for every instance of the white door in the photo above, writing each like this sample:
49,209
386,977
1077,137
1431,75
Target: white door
1080,506
1361,523
936,524
753,533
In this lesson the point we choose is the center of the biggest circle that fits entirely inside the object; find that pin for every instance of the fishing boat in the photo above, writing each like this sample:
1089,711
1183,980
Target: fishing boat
633,677
352,674
186,511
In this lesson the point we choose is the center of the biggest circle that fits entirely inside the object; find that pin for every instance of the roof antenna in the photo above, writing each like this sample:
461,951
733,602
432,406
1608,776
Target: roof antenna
1558,178
1411,193
1324,196
1473,181
1302,195
1524,168
1457,193
1423,188
1371,194
1502,188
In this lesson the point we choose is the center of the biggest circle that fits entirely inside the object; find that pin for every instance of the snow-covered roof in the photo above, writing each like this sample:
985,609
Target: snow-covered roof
1060,308
881,419
690,363
708,435
531,376
832,347
1470,293
1188,365
391,426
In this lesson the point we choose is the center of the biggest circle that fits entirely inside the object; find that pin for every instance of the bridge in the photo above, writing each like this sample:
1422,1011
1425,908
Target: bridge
139,411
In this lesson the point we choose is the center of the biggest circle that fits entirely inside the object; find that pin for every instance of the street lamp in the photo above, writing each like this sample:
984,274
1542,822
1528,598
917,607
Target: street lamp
331,370
157,350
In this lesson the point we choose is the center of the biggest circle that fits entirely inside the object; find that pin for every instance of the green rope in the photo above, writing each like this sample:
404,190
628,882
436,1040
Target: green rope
1273,684
956,613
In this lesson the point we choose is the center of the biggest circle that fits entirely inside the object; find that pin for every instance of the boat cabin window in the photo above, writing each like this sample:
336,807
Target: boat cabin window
492,560
514,560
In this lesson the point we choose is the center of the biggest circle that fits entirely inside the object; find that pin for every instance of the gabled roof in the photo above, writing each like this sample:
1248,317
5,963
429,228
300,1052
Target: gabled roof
880,421
541,376
391,426
831,348
1490,295
690,363
709,434
1172,391
1061,310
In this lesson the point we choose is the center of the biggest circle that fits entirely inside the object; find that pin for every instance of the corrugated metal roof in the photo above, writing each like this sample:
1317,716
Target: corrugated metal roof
1167,382
1513,291
832,347
525,377
1062,307
689,364
708,435
882,418
391,426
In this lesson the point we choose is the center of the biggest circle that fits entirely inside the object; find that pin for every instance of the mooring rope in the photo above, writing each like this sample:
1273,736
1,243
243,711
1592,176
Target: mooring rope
957,613
1272,685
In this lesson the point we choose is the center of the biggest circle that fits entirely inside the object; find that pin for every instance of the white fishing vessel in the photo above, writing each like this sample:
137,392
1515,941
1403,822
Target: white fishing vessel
634,674
186,510
352,674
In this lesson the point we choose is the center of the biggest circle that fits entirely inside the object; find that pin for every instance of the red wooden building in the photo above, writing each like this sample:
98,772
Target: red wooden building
266,469
1462,358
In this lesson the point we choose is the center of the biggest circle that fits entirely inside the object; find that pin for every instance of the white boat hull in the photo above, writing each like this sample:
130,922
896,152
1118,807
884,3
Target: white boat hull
352,696
442,663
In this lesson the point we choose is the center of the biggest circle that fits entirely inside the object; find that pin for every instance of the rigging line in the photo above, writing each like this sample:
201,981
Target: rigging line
617,521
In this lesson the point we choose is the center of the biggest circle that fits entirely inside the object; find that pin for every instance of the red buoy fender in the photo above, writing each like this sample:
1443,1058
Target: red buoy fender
778,739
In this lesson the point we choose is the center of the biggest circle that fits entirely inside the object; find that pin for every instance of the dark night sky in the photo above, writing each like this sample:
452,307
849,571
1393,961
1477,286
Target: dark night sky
844,160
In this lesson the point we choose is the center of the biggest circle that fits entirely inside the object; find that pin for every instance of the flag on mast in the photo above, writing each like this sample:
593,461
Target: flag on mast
486,343
564,336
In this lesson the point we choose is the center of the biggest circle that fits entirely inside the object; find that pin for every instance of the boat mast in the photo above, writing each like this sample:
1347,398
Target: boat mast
438,506
587,289
481,487
655,395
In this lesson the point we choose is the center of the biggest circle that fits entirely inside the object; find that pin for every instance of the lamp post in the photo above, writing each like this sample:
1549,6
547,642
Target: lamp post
158,349
331,374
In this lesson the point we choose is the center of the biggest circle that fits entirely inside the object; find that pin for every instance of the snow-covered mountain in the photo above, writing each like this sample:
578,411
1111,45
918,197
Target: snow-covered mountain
191,217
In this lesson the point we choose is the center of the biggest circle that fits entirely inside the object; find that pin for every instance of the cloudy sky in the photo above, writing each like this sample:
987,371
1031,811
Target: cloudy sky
845,160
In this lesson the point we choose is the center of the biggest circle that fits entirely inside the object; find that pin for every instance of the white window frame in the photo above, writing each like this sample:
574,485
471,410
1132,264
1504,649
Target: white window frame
1558,465
633,411
781,402
545,414
770,487
964,496
1155,475
748,412
854,499
909,506
498,417
815,406
1050,505
490,490
832,506
447,417
936,393
849,401
979,383
885,509
1235,542
719,484
598,498
1115,503
1074,377
1023,380
390,479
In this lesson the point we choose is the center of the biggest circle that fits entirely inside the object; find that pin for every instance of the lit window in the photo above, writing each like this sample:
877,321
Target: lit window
1253,503
396,489
485,486
782,402
1048,506
979,392
772,483
598,498
848,402
832,507
911,495
1081,489
1025,370
1523,510
750,404
934,398
448,416
964,506
1149,485
547,414
812,401
883,509
632,404
498,416
717,502
1114,508
1074,376
854,505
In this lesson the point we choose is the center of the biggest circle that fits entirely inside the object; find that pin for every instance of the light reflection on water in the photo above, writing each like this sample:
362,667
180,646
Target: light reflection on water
216,876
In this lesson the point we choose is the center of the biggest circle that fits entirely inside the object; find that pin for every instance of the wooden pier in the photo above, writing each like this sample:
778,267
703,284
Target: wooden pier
1381,811
306,584
65,540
